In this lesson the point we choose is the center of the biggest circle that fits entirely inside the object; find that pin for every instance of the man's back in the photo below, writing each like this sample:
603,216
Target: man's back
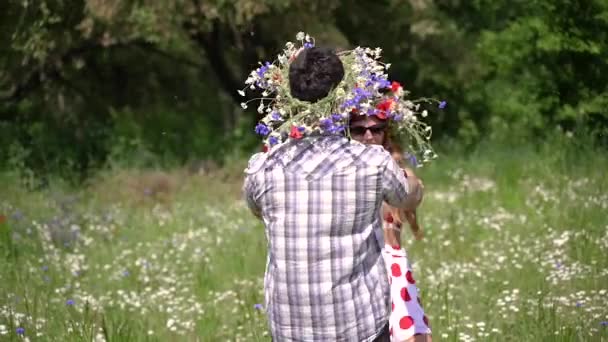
319,198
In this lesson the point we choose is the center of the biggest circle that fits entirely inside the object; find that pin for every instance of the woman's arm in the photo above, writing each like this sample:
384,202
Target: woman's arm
415,190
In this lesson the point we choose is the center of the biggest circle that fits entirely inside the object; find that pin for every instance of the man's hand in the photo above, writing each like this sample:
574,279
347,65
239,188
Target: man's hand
257,214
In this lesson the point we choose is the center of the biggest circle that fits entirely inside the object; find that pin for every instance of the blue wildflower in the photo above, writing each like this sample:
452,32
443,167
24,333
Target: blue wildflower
273,141
384,84
308,45
604,323
17,215
361,93
411,158
262,129
20,331
337,129
301,128
326,124
262,70
125,273
258,306
442,104
69,302
276,116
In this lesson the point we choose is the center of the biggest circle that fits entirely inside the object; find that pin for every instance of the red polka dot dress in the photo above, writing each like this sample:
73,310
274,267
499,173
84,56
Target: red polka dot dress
407,316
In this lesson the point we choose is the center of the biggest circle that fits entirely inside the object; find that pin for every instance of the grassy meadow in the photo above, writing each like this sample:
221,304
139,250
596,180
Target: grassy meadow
515,248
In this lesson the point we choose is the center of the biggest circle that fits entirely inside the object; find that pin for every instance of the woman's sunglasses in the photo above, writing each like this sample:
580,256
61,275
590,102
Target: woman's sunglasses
361,130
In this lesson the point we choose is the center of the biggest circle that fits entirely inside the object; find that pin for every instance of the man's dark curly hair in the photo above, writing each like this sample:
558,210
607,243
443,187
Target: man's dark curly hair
314,73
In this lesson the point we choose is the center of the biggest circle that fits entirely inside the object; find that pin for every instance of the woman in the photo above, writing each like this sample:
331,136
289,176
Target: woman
407,321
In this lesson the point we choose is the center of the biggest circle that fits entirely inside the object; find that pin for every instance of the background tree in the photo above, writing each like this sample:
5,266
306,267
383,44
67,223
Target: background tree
85,83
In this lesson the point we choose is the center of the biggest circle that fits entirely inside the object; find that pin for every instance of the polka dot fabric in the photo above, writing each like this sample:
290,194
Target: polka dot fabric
407,316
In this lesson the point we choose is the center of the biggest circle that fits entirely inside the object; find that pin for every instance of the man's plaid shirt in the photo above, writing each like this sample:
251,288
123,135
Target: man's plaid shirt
319,198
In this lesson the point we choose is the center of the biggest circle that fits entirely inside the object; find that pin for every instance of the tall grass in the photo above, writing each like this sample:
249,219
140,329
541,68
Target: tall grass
515,247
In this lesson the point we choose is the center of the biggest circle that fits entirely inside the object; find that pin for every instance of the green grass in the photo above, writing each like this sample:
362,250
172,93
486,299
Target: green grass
516,239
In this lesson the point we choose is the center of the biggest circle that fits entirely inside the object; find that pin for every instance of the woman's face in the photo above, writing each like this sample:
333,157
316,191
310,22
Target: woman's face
370,130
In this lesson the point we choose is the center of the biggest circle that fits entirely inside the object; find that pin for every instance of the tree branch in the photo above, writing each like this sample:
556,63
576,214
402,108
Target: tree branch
151,48
33,80
211,43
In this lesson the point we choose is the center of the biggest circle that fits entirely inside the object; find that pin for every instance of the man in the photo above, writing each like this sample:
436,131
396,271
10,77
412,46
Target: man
320,198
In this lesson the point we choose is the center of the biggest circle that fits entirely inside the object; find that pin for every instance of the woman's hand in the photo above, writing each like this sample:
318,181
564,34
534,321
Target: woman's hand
410,216
415,188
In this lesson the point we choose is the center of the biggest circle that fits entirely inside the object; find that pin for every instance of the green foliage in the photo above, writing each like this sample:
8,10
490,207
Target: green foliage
161,138
82,81
543,66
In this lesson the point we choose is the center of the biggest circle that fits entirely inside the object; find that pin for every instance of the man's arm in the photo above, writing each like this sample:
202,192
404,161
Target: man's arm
249,190
250,186
395,187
